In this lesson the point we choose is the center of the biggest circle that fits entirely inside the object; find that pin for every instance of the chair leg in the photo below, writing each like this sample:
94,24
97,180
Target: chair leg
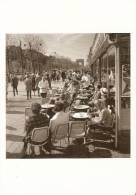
28,149
94,138
60,143
37,150
45,151
84,140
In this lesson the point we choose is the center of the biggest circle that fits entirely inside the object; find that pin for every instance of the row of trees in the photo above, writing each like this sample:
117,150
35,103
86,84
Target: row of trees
28,54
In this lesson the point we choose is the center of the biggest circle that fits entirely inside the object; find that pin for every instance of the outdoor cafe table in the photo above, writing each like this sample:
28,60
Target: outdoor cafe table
81,108
80,116
47,106
83,99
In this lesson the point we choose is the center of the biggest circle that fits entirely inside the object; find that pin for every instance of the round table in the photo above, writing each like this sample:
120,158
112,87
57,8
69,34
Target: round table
47,106
79,97
81,108
81,115
83,99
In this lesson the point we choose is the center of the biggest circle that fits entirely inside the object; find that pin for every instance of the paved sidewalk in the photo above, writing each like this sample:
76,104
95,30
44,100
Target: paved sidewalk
15,120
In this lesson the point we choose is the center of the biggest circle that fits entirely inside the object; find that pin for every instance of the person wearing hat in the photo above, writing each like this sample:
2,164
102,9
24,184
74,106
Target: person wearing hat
60,117
35,120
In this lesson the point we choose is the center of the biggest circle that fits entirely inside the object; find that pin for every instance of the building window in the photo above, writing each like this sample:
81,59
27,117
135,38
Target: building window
111,67
104,65
125,76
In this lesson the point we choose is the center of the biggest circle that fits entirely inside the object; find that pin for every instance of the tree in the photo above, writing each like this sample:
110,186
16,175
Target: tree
34,43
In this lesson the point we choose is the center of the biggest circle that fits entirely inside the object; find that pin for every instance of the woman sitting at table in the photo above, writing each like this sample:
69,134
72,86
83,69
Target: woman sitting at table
105,117
60,117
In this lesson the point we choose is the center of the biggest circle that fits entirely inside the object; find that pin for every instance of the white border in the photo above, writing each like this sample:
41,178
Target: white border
73,176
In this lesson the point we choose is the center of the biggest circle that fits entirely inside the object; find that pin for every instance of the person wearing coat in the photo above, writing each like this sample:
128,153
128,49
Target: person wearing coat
14,84
28,85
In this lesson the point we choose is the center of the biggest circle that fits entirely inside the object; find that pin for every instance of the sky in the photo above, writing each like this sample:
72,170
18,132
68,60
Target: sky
74,46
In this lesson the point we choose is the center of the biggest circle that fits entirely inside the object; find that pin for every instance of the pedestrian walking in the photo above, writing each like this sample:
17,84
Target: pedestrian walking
49,80
63,75
37,80
44,87
14,84
33,84
28,85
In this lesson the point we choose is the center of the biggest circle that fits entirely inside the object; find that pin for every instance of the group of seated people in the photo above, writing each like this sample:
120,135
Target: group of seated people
99,106
40,118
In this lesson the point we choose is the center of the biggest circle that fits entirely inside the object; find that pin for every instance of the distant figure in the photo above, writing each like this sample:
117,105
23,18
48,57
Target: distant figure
63,75
37,80
85,80
33,83
49,80
44,86
28,85
14,84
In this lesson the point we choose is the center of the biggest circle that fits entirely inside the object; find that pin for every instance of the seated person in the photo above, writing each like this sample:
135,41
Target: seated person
97,93
92,108
60,117
50,111
66,100
105,116
104,91
36,120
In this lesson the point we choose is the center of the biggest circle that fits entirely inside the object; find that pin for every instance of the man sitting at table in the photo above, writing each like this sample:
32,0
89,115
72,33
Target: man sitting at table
60,117
97,94
36,120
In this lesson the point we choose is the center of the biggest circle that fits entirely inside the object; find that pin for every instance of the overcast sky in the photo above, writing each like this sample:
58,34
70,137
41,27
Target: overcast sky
73,46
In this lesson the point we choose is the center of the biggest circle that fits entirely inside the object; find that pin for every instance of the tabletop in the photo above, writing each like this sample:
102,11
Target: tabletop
46,106
81,107
81,97
81,115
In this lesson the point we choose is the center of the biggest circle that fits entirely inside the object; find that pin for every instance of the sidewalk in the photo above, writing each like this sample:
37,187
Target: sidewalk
15,120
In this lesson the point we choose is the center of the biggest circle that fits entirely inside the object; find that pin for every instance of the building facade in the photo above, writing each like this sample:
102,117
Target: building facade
109,61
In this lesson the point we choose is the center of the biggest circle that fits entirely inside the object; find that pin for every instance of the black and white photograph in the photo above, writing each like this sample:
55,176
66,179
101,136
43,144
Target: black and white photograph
68,95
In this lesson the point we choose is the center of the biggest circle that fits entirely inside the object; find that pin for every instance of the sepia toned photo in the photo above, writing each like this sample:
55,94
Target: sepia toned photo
68,95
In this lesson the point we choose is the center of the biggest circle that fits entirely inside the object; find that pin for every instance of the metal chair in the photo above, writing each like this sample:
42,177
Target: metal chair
78,130
38,139
61,133
108,131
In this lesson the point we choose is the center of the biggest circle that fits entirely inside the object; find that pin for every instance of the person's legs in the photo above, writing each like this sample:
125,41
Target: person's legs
14,91
30,94
38,91
27,94
34,91
43,95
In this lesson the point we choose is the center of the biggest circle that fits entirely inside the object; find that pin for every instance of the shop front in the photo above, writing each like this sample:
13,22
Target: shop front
111,66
